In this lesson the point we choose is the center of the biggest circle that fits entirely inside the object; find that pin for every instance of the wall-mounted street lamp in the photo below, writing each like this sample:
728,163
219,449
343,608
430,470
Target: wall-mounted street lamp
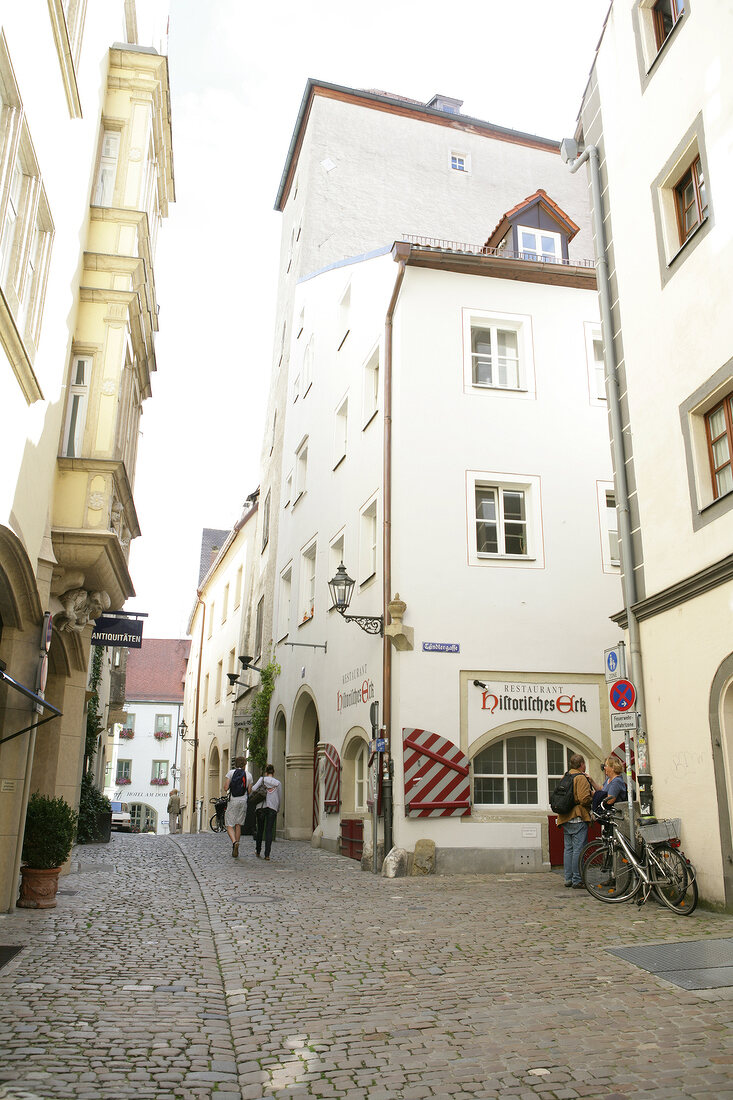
341,588
247,666
183,730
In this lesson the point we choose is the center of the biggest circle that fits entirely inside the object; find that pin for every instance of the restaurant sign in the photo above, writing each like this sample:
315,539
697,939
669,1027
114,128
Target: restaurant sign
497,702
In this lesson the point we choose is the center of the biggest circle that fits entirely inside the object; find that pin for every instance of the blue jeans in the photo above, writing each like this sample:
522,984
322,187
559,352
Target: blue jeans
575,836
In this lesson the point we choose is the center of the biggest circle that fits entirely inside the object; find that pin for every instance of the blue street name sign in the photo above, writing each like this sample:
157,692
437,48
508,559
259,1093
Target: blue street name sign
441,647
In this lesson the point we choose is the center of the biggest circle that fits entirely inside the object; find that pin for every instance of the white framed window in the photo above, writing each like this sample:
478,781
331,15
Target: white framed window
498,353
539,244
274,426
657,20
608,523
162,723
286,593
124,770
343,317
307,582
340,432
504,520
368,542
371,386
300,325
361,775
460,162
159,771
232,661
76,409
259,625
238,588
217,681
266,521
288,490
225,604
301,470
296,387
306,375
681,201
596,364
519,770
335,553
109,154
206,692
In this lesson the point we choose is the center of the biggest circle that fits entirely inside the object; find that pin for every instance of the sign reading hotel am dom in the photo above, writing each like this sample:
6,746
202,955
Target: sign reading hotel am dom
499,702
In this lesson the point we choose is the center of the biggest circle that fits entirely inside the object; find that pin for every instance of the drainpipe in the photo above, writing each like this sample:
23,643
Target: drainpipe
400,253
628,579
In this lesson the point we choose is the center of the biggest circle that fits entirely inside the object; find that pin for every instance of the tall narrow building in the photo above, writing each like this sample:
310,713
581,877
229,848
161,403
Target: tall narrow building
437,445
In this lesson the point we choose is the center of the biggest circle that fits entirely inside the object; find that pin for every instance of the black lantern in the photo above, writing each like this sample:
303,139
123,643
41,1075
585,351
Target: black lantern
341,588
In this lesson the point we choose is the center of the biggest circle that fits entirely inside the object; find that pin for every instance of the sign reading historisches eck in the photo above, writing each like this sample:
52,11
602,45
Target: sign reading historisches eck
497,702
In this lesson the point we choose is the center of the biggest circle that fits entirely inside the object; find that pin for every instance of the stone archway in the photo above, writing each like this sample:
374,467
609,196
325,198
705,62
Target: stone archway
721,730
279,739
213,780
299,768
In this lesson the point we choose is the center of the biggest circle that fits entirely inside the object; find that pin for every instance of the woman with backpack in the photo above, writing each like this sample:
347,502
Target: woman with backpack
238,782
575,820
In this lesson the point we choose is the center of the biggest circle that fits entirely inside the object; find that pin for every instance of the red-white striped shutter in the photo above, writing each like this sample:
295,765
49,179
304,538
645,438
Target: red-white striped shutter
331,779
437,776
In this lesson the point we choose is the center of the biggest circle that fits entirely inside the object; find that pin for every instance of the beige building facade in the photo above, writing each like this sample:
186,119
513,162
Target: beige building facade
86,178
659,108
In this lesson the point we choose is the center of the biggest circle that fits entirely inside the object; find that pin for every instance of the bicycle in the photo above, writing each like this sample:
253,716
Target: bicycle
612,870
216,824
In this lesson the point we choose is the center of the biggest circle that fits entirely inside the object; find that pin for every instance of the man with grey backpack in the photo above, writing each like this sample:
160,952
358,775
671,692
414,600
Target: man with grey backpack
571,801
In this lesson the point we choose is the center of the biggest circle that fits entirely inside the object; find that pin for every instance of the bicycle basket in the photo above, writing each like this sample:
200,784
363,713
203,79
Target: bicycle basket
663,829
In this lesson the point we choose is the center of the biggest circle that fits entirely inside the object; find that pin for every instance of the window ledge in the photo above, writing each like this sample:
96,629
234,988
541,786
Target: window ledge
367,580
342,459
344,339
307,391
299,497
500,389
504,557
284,636
368,422
305,620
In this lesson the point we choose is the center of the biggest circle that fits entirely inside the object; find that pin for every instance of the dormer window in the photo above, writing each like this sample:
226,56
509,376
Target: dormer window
535,229
445,103
539,244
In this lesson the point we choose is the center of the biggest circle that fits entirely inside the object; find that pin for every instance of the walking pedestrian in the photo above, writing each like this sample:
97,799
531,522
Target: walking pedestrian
238,782
575,822
174,811
267,812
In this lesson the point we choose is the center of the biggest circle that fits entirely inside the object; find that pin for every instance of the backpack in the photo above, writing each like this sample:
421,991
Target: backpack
237,784
562,798
258,797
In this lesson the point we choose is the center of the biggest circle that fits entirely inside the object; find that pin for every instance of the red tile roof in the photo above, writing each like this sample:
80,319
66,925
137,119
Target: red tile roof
555,211
156,671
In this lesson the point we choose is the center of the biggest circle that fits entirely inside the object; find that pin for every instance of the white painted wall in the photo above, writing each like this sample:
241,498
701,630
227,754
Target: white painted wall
142,750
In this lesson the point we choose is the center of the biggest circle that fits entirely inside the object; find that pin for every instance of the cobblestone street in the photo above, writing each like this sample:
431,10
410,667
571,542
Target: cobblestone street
170,971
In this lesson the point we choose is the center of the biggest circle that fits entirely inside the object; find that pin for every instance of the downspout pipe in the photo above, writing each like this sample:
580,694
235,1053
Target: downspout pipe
628,578
194,818
400,254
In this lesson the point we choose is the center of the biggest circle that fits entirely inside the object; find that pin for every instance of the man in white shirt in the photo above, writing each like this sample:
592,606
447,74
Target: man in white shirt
267,813
239,782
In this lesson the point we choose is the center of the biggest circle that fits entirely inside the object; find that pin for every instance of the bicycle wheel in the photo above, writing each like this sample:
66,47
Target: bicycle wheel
215,825
674,880
588,849
607,874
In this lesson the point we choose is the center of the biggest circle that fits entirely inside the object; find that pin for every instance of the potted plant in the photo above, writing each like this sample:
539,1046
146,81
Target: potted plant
50,828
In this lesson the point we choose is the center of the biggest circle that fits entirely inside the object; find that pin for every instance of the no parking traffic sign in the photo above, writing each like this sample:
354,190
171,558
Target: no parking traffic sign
622,695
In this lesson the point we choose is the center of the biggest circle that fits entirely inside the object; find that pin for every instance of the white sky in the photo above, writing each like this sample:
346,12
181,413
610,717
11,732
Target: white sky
238,71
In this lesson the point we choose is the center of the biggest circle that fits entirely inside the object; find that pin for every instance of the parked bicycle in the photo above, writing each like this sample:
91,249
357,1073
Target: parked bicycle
217,821
612,869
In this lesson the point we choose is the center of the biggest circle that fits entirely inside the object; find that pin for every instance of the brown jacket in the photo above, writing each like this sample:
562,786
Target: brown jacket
583,798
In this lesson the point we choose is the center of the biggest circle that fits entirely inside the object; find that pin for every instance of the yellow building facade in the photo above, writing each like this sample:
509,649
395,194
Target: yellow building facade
86,177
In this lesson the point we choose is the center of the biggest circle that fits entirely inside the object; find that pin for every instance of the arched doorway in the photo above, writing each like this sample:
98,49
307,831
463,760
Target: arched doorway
279,735
213,780
721,729
143,818
301,770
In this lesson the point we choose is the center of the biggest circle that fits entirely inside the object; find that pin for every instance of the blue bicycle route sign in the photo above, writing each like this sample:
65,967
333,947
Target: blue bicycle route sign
622,695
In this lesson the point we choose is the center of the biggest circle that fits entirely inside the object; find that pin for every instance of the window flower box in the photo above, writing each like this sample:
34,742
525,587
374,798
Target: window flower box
159,782
162,735
127,735
122,782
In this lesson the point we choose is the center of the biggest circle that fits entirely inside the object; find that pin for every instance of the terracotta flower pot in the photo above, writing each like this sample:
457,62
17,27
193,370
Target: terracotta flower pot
38,888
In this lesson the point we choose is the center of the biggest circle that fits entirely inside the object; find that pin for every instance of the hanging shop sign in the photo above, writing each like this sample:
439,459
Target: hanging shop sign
497,702
117,630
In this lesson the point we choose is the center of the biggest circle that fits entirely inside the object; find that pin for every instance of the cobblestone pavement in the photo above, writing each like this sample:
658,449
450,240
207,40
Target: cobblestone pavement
170,971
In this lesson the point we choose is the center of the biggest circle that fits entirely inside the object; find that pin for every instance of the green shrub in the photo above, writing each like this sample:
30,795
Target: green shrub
92,803
50,827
